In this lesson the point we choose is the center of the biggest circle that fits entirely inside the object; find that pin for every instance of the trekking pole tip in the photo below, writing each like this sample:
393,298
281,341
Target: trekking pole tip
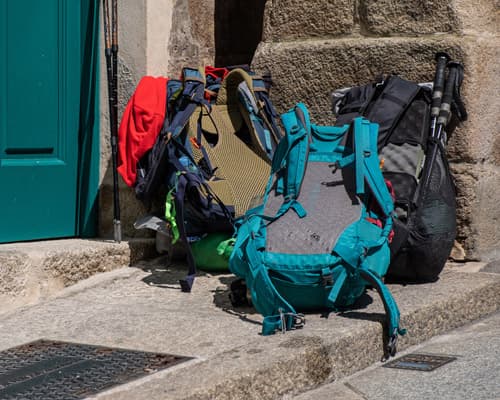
117,231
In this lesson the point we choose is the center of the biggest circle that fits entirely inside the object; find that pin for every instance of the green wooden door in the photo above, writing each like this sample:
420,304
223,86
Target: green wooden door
41,85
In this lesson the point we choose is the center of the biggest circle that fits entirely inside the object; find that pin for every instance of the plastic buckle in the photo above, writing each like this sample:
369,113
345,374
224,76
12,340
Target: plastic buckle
327,280
282,320
298,320
392,345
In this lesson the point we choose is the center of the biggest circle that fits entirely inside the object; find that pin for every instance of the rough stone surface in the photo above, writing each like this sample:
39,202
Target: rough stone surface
480,17
493,267
478,191
130,210
145,310
33,271
287,20
416,17
191,40
477,139
310,70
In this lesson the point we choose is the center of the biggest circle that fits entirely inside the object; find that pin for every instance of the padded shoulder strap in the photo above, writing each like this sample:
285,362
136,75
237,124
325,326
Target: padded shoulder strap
238,90
187,102
291,155
367,164
396,96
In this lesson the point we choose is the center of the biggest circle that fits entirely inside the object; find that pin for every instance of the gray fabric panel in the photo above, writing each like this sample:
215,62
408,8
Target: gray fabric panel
330,209
402,158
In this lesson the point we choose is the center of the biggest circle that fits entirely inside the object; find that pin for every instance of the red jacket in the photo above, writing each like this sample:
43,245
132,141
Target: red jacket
141,123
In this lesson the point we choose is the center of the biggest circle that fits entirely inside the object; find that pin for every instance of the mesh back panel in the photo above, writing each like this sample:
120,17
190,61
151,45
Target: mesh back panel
241,174
405,158
331,206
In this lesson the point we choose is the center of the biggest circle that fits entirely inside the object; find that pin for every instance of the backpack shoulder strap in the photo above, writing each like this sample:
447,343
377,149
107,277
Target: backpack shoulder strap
186,101
387,108
382,102
249,94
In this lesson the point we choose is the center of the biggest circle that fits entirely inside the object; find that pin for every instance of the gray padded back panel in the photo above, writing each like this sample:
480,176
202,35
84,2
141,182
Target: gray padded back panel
330,209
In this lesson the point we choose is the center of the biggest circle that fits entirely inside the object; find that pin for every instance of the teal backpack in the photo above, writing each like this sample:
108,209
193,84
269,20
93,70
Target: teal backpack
320,235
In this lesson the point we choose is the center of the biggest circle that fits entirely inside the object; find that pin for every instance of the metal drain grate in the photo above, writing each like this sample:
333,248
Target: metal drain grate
52,370
420,362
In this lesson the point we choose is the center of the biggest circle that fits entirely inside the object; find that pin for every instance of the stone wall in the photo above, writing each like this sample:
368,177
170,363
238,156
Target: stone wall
313,47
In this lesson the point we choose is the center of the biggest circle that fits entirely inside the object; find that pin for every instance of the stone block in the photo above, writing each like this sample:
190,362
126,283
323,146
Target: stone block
478,139
478,215
296,19
309,71
417,17
192,35
31,271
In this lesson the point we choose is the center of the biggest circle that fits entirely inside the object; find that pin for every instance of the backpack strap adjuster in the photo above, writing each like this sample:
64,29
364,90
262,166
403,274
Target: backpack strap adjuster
391,347
326,277
289,320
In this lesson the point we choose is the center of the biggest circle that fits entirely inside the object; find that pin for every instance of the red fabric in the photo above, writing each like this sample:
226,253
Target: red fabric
216,72
375,206
141,123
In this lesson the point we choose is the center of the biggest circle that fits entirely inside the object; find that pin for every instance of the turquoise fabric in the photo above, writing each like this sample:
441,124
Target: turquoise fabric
283,284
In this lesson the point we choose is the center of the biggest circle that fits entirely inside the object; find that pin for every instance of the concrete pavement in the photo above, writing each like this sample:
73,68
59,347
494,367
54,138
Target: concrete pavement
142,308
475,374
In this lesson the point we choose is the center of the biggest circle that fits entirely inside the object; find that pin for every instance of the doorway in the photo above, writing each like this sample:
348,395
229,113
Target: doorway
238,30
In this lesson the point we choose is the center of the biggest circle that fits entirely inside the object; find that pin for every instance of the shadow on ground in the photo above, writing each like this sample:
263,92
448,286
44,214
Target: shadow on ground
166,273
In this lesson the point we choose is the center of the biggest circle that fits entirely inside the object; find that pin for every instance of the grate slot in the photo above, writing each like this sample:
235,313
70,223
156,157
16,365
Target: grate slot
59,370
420,362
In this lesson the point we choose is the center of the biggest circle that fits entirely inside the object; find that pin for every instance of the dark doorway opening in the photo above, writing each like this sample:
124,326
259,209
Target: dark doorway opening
238,30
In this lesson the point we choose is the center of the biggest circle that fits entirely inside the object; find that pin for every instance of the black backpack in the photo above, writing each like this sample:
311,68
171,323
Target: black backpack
415,164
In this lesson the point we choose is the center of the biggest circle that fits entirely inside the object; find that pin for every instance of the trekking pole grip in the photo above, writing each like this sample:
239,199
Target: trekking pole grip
444,111
442,59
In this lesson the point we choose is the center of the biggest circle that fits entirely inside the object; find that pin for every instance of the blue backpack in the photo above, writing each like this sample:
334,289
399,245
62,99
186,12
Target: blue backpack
320,235
212,156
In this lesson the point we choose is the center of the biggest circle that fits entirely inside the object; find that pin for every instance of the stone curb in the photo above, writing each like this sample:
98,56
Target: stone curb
269,367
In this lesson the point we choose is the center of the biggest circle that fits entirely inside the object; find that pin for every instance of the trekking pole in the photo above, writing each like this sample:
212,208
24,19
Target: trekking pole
437,92
114,50
455,70
110,54
452,85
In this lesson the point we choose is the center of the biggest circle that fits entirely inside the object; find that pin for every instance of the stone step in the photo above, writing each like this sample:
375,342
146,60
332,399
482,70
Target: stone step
32,271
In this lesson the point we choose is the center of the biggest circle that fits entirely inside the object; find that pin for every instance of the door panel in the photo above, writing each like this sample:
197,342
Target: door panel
39,118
